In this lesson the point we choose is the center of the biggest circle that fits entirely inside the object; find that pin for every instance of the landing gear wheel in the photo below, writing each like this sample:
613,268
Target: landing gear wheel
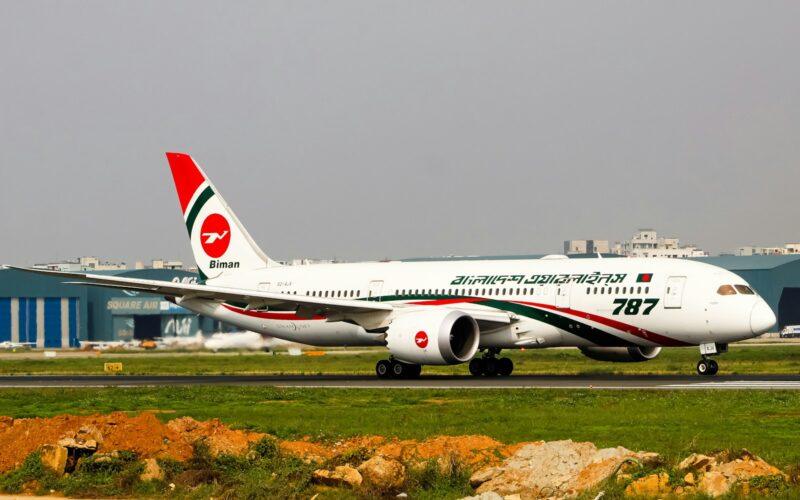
398,369
707,367
476,367
383,368
490,367
504,367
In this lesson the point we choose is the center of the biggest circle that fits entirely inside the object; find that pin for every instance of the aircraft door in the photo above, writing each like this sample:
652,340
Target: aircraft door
673,294
375,290
562,296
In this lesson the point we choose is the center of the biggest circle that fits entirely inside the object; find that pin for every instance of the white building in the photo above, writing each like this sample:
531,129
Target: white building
589,247
647,243
83,264
787,249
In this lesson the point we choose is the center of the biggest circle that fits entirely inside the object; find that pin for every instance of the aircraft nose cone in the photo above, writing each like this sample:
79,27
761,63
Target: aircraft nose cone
761,318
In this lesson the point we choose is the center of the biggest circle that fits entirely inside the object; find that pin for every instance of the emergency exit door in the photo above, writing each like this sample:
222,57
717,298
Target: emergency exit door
673,294
562,296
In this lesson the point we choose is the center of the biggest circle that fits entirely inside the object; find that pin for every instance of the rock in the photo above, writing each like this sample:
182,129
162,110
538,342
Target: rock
689,479
78,444
383,473
152,471
747,467
89,432
54,457
649,486
512,497
714,483
556,468
719,479
483,475
341,475
697,462
489,495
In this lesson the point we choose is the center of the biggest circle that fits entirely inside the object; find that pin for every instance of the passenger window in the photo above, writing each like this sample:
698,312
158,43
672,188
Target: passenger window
617,290
647,289
726,290
744,289
639,290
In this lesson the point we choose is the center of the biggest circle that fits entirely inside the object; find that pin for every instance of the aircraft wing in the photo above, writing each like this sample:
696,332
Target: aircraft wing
237,295
368,314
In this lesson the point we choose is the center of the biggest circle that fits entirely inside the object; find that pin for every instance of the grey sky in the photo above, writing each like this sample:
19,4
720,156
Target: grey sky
365,130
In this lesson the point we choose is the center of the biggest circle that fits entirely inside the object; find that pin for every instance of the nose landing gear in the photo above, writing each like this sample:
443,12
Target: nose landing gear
489,365
707,366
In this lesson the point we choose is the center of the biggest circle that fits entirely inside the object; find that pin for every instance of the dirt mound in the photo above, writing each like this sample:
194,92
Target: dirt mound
143,434
219,437
468,450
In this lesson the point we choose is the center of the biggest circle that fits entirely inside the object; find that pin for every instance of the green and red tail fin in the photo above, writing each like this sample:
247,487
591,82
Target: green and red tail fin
220,243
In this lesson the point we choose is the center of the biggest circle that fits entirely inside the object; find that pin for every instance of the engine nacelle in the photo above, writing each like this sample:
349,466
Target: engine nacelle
621,354
434,337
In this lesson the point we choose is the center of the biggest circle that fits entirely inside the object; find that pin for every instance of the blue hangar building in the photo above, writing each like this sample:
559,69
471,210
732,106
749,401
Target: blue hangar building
43,311
50,314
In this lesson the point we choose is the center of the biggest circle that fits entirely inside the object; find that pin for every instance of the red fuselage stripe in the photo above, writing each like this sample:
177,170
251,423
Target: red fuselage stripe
269,315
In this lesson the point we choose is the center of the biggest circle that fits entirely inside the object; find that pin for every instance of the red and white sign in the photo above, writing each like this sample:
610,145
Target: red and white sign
215,235
421,339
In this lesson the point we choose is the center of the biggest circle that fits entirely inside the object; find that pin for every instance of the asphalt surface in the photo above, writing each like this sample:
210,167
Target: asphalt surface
672,382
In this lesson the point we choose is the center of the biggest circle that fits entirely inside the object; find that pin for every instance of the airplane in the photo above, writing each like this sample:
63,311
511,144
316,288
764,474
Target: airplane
456,311
105,345
7,345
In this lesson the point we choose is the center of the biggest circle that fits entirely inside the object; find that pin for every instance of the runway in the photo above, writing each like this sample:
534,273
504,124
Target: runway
600,382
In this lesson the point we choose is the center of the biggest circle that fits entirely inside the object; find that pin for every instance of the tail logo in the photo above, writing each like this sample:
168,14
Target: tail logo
215,235
421,339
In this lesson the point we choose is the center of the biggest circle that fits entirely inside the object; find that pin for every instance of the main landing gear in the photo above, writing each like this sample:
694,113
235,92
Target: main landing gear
707,366
391,368
488,365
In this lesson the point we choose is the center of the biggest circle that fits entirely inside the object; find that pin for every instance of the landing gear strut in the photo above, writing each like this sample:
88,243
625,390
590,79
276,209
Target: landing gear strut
391,368
707,366
489,365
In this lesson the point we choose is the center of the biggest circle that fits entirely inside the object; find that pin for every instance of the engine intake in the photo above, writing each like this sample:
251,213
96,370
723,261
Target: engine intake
434,337
621,354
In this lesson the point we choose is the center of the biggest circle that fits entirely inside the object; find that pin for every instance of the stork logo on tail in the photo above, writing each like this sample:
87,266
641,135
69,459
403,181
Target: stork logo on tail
215,235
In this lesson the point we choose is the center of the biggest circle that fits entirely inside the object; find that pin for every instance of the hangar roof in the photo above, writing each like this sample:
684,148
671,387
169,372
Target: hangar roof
749,262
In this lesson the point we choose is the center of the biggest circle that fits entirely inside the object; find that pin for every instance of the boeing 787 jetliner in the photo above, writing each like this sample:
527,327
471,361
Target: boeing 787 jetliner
445,312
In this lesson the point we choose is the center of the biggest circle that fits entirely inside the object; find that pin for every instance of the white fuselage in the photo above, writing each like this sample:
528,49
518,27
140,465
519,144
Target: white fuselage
553,301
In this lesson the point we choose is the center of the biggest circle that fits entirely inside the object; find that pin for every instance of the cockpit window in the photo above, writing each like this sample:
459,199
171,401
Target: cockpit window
744,290
726,290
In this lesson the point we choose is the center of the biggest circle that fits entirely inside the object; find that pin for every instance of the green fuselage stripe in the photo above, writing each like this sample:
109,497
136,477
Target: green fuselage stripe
198,205
578,328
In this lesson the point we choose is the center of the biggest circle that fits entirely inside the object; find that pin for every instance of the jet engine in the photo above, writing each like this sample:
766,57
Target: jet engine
433,337
621,354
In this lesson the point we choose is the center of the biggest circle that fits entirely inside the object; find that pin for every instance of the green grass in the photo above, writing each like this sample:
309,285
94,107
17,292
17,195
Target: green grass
673,423
740,360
